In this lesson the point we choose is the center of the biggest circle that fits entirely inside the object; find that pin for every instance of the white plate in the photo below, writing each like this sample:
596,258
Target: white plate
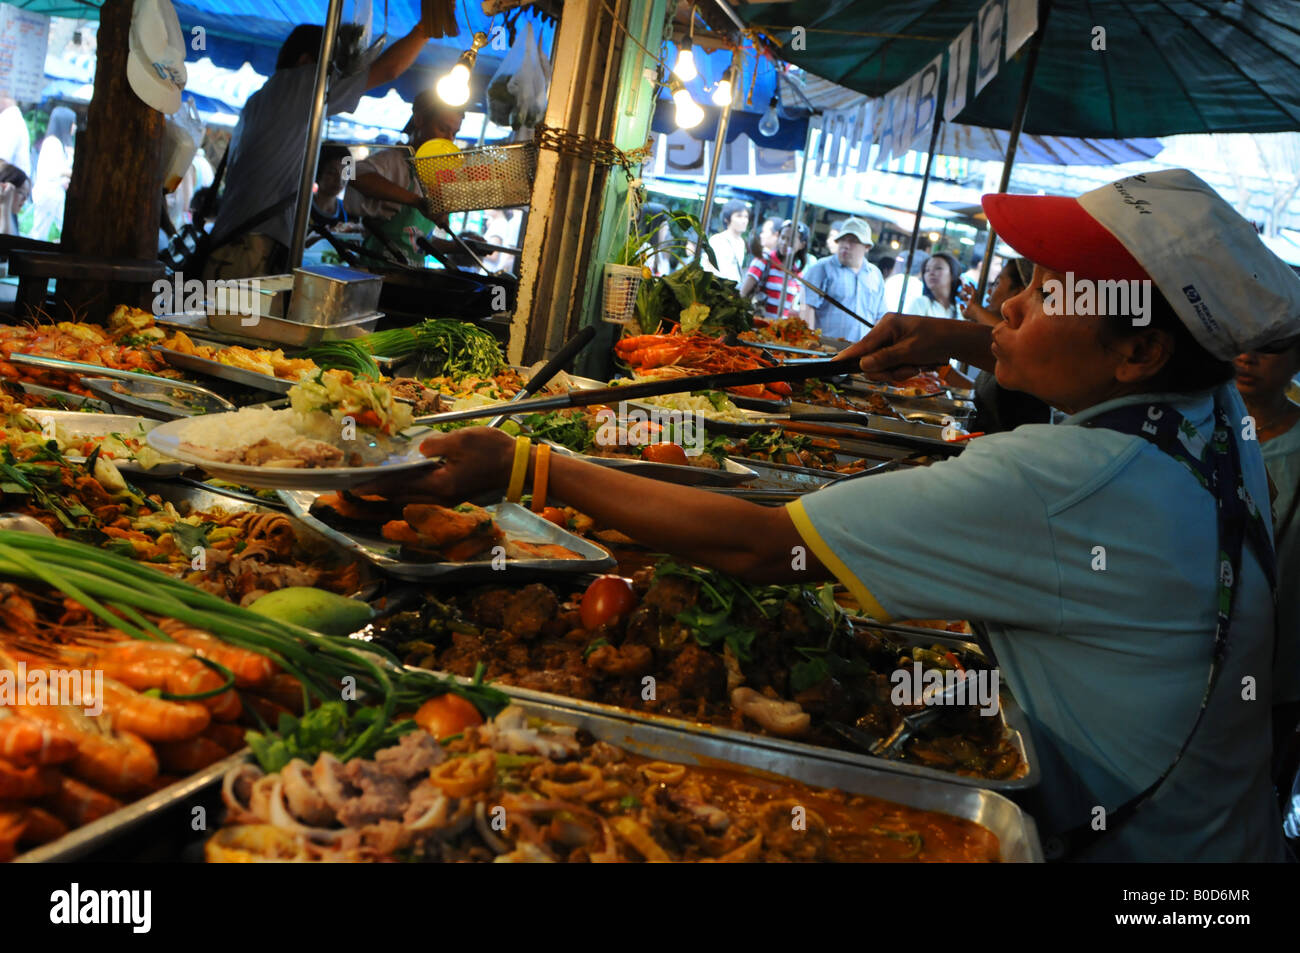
78,424
167,439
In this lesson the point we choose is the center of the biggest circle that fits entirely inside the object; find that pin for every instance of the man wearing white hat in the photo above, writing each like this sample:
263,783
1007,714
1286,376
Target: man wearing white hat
850,279
254,227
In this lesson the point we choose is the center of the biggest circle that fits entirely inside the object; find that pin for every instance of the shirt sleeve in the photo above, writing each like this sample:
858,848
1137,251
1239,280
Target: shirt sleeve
966,538
755,270
346,91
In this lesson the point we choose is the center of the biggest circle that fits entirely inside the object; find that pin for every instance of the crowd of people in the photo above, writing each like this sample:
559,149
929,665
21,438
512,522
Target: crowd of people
36,173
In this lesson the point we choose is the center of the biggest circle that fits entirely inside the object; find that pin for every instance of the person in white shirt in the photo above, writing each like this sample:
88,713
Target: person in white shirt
501,227
53,172
729,244
268,146
938,299
15,152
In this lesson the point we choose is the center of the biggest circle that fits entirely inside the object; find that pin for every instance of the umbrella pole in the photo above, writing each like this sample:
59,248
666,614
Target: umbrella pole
1013,140
920,207
794,220
705,213
314,126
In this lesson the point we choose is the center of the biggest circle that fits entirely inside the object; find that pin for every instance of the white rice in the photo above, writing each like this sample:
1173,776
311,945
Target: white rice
227,433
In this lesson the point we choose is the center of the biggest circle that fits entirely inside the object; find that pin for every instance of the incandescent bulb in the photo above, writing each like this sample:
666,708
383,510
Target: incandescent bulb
685,65
453,88
688,113
770,123
722,93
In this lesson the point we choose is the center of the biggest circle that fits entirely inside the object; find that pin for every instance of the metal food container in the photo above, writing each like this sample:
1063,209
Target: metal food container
329,295
272,330
269,295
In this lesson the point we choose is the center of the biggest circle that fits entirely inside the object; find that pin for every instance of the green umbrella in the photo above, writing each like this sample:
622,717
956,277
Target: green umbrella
1168,67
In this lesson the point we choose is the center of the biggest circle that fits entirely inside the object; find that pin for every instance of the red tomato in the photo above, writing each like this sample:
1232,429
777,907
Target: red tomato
665,453
605,600
447,715
556,516
367,418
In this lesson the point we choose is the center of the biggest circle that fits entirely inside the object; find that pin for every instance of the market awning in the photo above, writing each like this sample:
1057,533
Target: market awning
1167,67
251,31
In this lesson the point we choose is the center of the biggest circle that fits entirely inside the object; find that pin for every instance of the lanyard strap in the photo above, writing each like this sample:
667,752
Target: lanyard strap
1217,467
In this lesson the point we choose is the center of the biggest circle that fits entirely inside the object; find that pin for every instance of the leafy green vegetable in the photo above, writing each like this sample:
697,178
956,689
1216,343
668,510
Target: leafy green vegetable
696,299
328,727
190,535
572,431
444,346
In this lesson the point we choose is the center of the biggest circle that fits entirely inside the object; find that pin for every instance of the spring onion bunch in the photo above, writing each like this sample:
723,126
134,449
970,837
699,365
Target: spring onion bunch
447,346
119,591
346,356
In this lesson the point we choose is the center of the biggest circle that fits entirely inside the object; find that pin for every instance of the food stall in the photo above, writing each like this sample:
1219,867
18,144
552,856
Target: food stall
216,596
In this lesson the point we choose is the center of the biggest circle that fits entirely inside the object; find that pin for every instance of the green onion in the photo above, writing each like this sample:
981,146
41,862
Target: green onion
451,347
346,356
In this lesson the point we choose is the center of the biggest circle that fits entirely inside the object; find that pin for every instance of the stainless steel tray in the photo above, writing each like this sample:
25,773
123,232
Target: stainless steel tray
516,521
80,424
733,472
76,843
73,401
325,295
188,496
236,375
268,329
1016,831
784,476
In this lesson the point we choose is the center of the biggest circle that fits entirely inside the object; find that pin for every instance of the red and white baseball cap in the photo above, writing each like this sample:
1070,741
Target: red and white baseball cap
1228,288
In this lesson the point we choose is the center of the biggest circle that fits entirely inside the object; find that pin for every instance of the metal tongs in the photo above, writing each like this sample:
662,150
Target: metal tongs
891,746
202,395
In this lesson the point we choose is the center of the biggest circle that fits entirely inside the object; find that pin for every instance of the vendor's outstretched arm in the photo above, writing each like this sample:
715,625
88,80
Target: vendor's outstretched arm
395,60
901,344
753,542
374,186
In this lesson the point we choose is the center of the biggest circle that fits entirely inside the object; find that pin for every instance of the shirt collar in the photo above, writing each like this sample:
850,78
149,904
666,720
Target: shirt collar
1195,407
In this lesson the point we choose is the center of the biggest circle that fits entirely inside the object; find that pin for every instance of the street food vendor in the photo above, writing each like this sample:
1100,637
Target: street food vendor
386,194
1106,556
254,227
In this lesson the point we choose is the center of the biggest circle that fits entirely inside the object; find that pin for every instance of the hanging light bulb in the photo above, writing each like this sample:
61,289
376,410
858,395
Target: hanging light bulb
770,124
725,89
685,65
453,87
688,113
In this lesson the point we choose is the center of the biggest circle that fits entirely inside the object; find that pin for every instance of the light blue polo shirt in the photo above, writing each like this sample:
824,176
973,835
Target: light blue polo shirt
1109,664
1282,457
862,290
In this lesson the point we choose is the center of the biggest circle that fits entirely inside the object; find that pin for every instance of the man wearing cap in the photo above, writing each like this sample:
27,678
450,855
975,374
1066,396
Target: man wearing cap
386,193
254,227
850,279
1120,561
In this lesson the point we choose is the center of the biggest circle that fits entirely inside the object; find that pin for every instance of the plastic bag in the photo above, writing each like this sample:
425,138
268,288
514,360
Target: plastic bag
529,84
181,140
517,93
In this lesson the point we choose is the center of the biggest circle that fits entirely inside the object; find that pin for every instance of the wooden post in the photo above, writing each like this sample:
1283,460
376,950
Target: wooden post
114,199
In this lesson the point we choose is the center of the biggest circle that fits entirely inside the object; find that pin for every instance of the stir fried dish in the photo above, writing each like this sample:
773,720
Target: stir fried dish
522,790
777,660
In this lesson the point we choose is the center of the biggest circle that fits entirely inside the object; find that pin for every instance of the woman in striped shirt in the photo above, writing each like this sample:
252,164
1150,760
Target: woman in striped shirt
770,274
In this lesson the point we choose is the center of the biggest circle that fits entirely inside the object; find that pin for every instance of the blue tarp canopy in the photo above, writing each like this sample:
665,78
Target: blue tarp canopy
251,31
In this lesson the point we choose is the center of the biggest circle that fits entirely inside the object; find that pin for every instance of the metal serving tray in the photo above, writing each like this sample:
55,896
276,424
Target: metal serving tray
89,837
80,424
516,521
268,329
236,375
1016,831
73,401
784,476
329,295
732,473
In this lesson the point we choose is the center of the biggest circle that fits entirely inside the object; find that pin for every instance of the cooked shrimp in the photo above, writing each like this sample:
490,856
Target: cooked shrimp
108,757
21,784
153,718
76,803
250,669
25,741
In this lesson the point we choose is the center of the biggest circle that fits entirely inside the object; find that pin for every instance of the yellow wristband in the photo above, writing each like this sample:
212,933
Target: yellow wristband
515,488
541,475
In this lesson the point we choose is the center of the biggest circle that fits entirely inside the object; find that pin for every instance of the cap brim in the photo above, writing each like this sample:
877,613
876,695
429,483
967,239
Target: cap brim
146,84
1055,232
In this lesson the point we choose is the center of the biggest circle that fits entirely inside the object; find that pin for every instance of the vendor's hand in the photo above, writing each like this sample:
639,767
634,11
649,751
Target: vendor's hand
899,346
476,459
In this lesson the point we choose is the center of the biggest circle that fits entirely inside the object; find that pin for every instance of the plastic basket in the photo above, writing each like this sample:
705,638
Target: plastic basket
491,177
622,282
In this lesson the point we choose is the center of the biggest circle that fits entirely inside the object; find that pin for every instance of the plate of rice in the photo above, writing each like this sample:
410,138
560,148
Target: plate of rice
336,433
